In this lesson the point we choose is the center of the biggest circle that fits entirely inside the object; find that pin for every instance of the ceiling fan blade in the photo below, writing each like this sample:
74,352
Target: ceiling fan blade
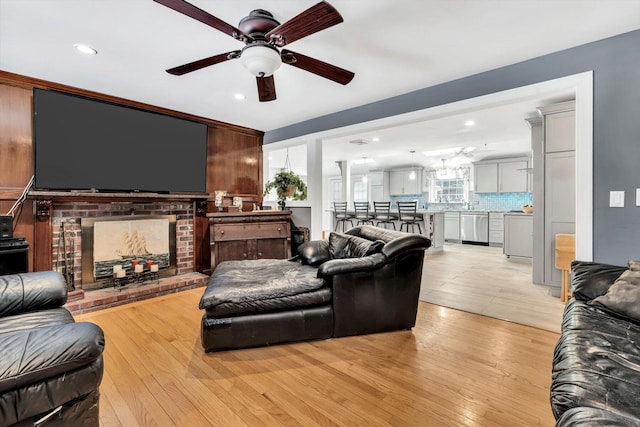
312,20
201,63
328,71
266,88
205,17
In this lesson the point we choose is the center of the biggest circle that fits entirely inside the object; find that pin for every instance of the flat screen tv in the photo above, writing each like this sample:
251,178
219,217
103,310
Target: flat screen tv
86,144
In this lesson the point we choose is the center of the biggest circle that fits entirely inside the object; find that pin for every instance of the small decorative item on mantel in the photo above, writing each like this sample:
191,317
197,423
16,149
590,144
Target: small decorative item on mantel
219,196
287,185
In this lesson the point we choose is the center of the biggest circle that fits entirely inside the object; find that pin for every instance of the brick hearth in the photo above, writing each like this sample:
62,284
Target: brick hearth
111,297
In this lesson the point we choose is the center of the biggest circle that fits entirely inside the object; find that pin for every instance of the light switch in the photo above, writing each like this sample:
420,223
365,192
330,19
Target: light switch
616,199
637,196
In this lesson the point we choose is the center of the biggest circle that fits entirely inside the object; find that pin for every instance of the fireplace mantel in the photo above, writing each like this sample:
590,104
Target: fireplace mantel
67,206
97,196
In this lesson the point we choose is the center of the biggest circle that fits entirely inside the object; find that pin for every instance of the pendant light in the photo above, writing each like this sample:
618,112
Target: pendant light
442,172
412,175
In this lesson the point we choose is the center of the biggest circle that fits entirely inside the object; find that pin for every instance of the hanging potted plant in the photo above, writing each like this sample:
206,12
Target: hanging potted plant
287,184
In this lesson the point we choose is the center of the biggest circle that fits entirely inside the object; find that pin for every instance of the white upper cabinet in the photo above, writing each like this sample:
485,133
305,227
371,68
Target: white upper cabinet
513,177
486,177
400,182
502,176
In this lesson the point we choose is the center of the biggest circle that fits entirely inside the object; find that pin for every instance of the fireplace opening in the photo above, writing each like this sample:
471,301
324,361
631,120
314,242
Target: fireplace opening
117,246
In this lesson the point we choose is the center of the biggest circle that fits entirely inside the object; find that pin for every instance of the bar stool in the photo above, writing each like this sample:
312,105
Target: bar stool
341,215
382,214
408,216
362,213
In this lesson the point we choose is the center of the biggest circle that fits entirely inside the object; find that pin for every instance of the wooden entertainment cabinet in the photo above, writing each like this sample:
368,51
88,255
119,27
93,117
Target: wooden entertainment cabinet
249,235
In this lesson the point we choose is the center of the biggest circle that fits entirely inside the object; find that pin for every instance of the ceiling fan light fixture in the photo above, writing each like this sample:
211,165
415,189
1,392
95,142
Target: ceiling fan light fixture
260,60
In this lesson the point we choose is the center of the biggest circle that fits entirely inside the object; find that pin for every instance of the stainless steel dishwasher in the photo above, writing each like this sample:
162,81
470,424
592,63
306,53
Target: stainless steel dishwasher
474,227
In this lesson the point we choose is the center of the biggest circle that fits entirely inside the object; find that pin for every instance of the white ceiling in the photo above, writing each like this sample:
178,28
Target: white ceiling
393,47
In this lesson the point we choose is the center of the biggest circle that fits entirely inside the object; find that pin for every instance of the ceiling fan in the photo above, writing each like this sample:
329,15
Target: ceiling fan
264,37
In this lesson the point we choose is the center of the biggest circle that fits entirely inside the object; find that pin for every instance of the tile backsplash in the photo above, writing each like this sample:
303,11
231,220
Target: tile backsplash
478,201
500,201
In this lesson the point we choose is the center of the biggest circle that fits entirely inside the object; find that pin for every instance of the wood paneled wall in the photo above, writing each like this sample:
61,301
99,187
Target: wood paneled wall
234,160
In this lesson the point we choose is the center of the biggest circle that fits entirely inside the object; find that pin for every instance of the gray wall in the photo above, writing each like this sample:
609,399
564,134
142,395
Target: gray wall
616,126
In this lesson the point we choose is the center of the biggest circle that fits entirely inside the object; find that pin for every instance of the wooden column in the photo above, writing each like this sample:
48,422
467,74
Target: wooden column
42,243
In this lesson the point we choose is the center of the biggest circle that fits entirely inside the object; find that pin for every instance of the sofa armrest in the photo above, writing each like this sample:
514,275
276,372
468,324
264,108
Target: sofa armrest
24,292
27,357
350,265
406,243
591,279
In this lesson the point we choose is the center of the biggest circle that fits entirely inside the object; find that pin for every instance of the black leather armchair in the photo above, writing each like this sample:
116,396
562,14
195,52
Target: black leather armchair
50,366
378,292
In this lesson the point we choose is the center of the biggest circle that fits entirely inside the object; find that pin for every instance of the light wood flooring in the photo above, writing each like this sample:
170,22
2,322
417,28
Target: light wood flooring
453,369
480,279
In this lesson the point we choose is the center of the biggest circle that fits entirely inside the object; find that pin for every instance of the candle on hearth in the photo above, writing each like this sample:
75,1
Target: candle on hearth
121,273
117,268
138,268
154,268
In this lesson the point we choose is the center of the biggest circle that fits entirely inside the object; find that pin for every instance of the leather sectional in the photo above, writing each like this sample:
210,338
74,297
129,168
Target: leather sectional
363,281
596,364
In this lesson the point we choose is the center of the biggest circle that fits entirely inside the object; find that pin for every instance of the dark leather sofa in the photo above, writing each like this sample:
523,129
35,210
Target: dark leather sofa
50,366
363,281
596,364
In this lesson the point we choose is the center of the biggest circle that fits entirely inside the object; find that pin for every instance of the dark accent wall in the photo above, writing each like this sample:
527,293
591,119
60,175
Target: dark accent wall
616,126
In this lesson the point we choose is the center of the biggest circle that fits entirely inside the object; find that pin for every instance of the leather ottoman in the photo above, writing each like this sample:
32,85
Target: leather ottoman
261,302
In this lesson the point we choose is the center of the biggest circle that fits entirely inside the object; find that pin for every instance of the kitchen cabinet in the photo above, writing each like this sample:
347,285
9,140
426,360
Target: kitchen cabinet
496,228
486,177
378,177
518,235
513,177
452,226
502,176
555,186
379,186
401,183
249,235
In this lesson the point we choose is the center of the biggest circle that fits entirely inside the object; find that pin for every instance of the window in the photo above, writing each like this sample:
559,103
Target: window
359,191
448,190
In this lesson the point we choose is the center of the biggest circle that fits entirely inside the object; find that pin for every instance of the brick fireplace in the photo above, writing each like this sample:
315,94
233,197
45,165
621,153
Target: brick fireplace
67,234
59,242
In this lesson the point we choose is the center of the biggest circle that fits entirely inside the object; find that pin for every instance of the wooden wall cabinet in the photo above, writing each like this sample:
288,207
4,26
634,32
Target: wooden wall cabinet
249,235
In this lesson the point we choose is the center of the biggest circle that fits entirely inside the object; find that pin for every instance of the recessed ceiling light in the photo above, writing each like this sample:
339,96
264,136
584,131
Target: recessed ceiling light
469,123
375,139
239,96
85,49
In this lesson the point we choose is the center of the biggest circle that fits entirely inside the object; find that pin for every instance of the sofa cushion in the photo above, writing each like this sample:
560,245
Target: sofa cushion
590,279
314,252
348,246
623,296
241,287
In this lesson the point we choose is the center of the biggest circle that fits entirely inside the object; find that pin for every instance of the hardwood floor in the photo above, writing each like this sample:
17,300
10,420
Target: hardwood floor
453,369
480,279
